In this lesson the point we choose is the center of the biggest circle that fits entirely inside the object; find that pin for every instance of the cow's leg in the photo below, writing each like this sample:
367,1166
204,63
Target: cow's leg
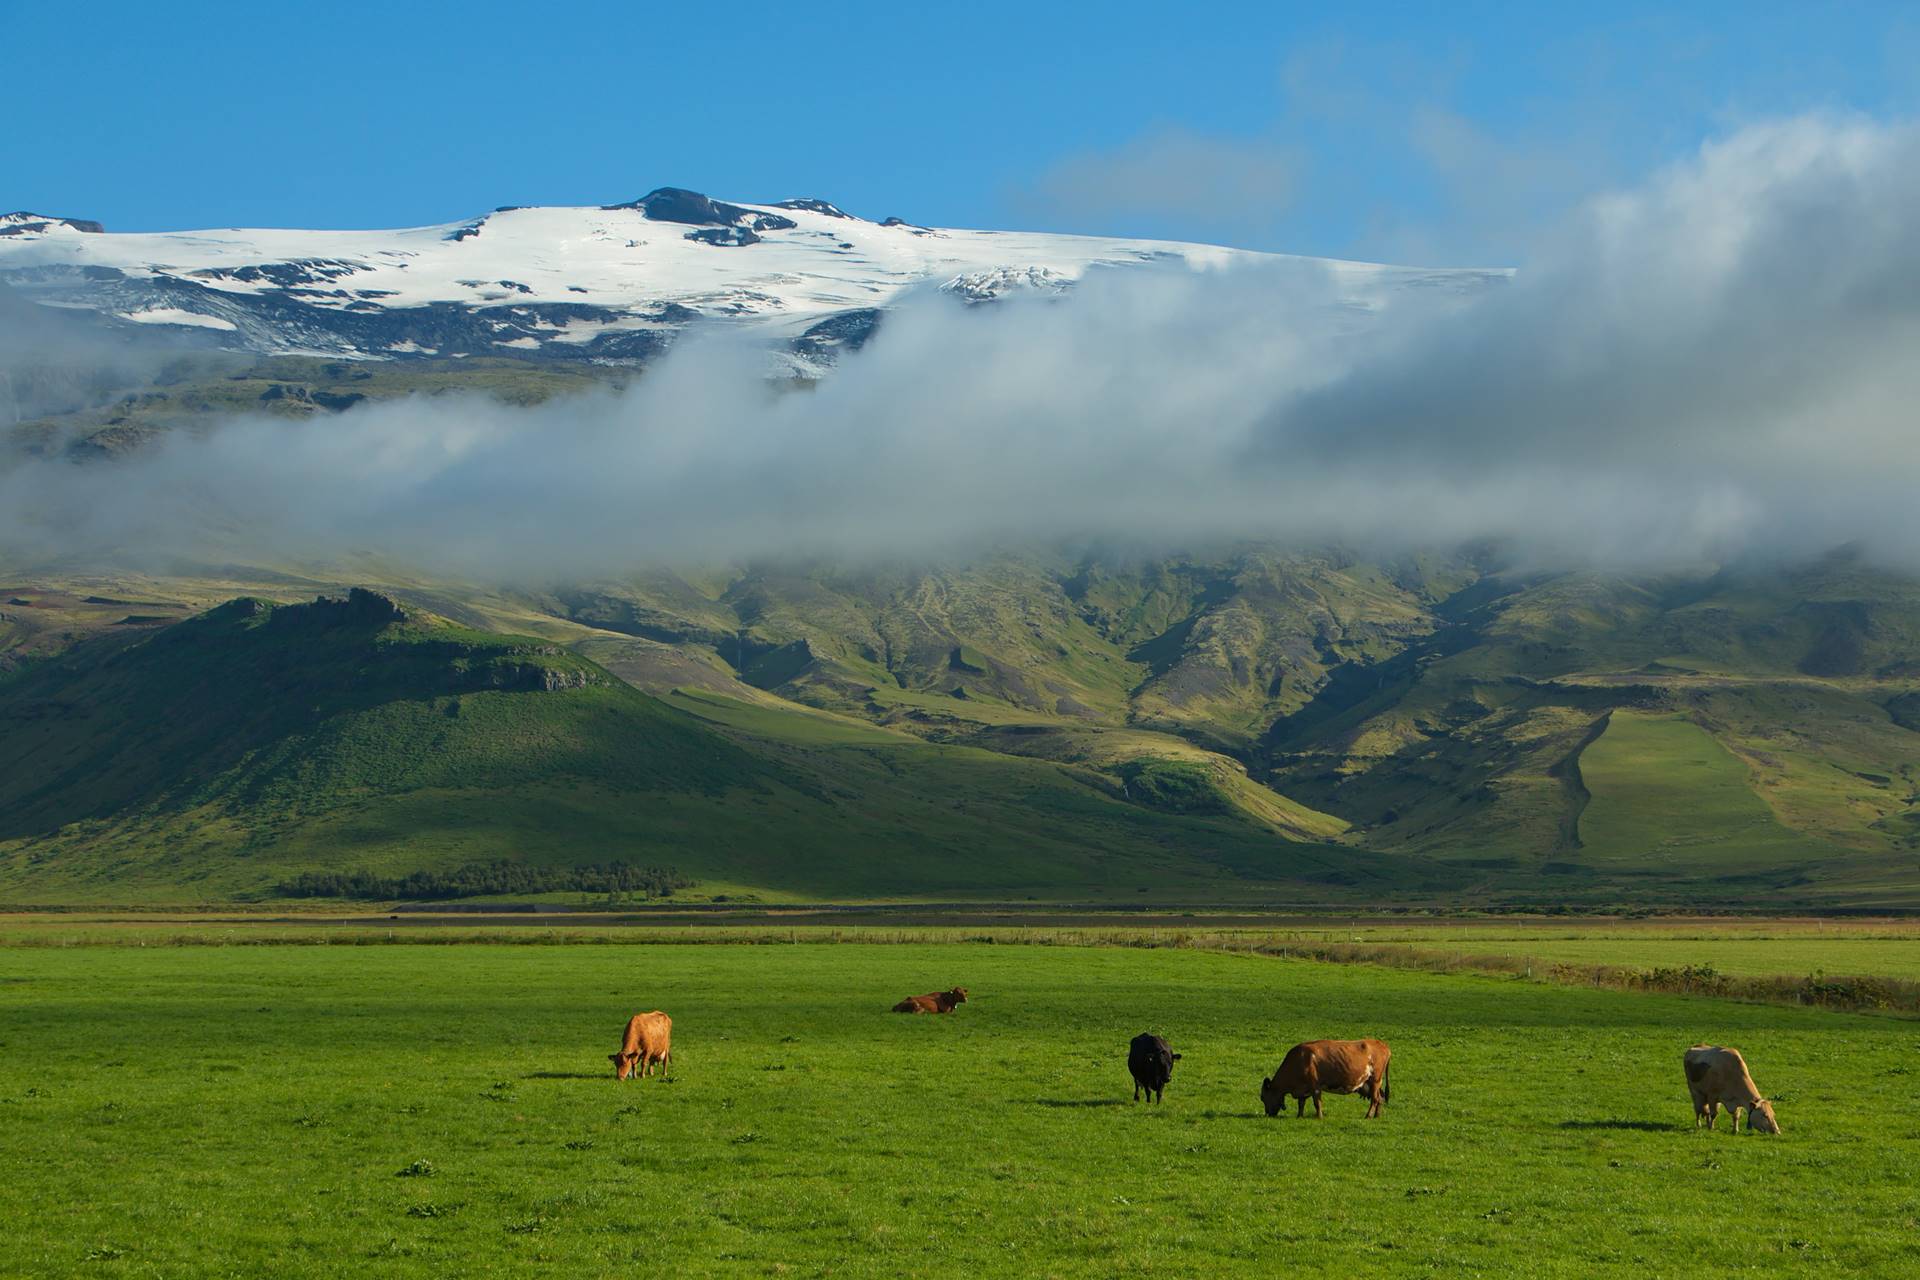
1316,1104
1300,1106
1713,1114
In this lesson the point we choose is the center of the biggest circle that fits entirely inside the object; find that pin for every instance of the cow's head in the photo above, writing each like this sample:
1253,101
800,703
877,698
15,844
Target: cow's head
959,995
1760,1118
623,1064
1272,1096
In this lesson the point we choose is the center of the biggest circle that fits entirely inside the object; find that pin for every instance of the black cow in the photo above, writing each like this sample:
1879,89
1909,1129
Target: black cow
1151,1062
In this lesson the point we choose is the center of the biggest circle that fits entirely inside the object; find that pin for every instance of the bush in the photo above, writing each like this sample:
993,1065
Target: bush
486,878
1702,979
1175,786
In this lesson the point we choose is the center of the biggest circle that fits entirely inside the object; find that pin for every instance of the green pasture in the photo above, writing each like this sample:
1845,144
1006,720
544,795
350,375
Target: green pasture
1667,794
432,1110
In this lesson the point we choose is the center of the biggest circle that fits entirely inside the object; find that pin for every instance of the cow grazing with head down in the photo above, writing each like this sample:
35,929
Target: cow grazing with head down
936,1002
1717,1077
648,1040
1329,1066
1151,1062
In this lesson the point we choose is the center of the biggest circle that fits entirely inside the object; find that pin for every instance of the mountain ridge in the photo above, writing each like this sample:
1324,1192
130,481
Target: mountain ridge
611,283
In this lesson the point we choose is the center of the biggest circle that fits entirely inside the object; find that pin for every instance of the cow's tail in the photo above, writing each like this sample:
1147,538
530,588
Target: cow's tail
1386,1089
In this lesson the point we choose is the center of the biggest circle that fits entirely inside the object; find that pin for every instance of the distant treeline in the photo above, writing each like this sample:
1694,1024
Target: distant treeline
477,879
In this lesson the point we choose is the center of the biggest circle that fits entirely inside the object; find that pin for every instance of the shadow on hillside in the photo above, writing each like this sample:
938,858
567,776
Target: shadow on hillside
1642,1126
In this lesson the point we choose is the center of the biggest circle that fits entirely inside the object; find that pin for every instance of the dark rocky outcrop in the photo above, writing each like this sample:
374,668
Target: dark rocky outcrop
300,271
815,206
730,237
677,204
848,331
20,223
360,608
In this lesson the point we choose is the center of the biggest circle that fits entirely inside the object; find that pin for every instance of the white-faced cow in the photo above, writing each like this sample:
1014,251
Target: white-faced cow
1151,1062
1717,1077
1329,1066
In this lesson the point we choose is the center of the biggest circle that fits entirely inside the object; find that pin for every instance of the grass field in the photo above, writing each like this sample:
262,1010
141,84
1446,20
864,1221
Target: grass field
1665,793
251,1110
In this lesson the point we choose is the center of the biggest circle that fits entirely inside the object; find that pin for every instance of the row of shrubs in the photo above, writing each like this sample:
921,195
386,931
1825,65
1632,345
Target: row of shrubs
1898,995
1863,992
478,879
1815,989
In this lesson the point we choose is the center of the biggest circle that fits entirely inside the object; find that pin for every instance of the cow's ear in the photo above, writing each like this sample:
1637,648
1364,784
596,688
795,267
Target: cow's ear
1176,1057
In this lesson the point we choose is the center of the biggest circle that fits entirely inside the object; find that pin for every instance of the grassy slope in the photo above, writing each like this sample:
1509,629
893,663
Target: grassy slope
1666,792
1789,673
217,756
246,1110
1441,726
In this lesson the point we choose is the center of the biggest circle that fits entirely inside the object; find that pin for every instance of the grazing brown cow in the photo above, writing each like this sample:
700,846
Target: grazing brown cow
1329,1066
1717,1077
937,1002
649,1039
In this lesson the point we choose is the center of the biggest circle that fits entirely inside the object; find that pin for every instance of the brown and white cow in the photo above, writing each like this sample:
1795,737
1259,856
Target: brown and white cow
1717,1077
936,1002
648,1040
1329,1066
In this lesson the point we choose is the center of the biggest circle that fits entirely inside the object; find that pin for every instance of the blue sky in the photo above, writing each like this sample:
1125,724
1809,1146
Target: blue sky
1368,130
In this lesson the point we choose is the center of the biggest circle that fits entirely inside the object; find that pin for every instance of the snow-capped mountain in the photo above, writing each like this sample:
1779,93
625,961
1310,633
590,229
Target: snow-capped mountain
613,282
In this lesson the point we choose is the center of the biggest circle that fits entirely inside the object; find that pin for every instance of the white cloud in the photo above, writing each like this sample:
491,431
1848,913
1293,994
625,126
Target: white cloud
1717,361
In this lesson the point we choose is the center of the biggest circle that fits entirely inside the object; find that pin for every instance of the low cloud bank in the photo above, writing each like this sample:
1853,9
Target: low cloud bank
1721,361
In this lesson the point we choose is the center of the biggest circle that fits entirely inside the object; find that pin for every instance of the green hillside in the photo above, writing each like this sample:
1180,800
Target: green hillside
220,756
1664,790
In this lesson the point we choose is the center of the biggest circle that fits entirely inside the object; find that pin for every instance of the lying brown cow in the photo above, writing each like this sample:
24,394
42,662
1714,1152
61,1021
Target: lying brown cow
649,1039
938,1002
1329,1066
1717,1077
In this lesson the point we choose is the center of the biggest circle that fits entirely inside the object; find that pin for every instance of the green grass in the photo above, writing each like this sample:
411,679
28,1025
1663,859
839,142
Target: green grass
199,1111
1665,792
